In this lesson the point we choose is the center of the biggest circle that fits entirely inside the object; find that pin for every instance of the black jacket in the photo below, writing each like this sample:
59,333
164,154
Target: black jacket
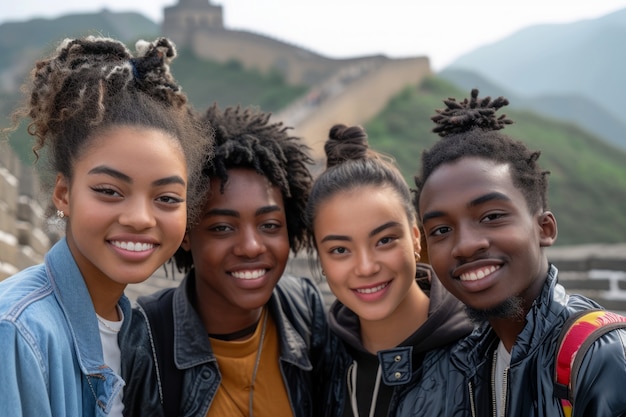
601,380
414,374
306,353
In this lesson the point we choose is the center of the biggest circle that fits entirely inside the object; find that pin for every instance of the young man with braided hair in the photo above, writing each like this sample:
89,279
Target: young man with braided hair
247,339
482,201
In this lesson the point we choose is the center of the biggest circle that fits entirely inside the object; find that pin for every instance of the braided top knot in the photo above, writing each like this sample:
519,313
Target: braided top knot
459,117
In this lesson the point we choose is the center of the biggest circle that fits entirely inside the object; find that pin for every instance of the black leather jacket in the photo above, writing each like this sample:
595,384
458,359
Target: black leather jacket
307,353
601,380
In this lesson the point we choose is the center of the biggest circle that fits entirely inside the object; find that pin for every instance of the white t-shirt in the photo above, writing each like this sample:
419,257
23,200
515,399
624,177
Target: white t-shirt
503,360
111,352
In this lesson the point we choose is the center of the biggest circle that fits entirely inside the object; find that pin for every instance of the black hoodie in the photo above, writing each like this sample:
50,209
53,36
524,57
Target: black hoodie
446,323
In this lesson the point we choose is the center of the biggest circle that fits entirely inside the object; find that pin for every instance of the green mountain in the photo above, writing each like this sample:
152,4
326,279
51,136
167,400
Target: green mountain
572,107
588,176
588,180
23,42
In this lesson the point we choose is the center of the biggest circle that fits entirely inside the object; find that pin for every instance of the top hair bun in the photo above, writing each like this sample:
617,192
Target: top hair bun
461,117
345,143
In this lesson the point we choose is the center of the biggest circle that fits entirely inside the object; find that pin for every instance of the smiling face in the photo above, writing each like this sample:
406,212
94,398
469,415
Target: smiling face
367,246
483,242
125,206
240,247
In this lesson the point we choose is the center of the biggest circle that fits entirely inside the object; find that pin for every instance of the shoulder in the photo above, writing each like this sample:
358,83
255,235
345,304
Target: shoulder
291,289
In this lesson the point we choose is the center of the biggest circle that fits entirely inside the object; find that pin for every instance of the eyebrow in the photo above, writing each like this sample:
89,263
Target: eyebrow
103,169
493,196
372,233
234,213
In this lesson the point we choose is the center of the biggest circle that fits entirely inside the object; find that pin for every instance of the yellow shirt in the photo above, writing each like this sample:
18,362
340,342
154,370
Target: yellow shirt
236,361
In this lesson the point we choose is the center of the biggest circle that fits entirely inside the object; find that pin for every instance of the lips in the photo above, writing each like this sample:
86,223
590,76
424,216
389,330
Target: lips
133,246
480,273
249,274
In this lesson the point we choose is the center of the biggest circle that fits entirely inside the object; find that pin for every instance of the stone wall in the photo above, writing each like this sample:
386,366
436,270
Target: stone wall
23,240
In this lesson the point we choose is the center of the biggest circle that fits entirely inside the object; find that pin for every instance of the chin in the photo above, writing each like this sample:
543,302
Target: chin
511,308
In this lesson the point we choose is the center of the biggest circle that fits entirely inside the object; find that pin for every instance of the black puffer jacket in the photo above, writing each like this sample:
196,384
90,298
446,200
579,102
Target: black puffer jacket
601,381
306,353
415,373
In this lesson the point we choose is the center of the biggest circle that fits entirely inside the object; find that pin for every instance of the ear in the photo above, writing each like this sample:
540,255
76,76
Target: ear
185,244
416,238
547,228
61,194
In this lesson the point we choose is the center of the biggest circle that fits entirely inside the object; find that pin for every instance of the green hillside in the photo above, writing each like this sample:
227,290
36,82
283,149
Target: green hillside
588,177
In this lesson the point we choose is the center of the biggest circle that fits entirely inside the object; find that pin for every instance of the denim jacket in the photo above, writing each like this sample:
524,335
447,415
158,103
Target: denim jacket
306,358
52,362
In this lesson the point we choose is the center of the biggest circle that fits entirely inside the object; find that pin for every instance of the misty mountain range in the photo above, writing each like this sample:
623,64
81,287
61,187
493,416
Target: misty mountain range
574,72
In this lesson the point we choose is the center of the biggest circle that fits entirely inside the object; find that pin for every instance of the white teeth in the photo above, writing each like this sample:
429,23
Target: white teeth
249,274
479,273
371,290
133,246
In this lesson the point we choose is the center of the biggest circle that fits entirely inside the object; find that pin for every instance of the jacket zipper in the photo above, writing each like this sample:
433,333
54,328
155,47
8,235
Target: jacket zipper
471,395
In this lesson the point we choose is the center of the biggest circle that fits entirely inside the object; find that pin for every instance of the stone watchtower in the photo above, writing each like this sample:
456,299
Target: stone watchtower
182,20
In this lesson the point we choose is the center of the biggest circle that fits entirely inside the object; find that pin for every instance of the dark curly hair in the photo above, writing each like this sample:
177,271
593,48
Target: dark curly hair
471,129
92,84
246,138
350,164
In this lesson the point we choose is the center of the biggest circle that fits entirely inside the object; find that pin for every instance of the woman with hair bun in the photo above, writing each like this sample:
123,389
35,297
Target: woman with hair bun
395,319
124,154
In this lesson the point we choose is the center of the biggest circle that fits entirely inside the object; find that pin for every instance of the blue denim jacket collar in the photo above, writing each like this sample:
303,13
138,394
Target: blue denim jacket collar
81,315
71,291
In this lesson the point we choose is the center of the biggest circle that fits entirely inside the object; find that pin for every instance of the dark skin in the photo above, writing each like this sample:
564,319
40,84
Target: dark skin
484,242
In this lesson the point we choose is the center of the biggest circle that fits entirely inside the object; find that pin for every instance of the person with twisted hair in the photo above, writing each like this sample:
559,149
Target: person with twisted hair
244,337
395,319
482,199
124,156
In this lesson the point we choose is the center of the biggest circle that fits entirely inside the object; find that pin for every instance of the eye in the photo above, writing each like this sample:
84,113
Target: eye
440,231
106,191
220,228
338,250
490,217
168,199
271,227
386,240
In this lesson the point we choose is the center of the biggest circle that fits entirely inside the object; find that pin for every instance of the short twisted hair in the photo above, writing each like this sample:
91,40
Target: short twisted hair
245,138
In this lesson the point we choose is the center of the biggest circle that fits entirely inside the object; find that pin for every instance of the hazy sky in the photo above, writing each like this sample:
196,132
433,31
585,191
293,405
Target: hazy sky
440,29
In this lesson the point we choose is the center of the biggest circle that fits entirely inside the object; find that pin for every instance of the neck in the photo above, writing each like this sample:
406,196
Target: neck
389,332
221,318
507,330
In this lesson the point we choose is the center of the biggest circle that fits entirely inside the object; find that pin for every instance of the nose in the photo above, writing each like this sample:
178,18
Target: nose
250,243
468,242
366,264
138,214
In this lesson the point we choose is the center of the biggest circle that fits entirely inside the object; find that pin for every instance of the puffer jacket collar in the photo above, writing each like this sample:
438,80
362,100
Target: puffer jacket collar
548,310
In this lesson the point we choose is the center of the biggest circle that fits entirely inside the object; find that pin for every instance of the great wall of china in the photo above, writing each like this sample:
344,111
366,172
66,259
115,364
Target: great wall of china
349,91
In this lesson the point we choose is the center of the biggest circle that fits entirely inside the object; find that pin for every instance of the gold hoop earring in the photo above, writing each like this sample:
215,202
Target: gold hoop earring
417,256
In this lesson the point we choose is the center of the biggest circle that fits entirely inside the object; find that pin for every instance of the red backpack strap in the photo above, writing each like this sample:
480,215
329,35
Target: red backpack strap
577,335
